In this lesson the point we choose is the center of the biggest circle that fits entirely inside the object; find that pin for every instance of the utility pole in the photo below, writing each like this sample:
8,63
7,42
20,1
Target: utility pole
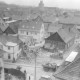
35,67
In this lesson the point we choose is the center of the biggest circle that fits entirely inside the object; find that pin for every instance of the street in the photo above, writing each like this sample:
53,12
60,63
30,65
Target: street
30,66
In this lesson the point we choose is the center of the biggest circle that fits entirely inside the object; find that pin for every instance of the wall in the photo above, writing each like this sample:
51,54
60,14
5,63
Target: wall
16,49
70,43
6,56
5,48
17,54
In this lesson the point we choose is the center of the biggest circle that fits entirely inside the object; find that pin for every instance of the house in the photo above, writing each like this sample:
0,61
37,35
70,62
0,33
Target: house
54,41
11,46
70,68
70,22
32,28
62,38
68,36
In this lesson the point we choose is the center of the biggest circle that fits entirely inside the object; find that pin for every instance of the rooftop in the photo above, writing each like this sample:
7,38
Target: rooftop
66,35
9,39
70,20
31,25
69,69
55,37
53,27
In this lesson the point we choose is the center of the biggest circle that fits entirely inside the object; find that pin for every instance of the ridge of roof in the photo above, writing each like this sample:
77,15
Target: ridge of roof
70,20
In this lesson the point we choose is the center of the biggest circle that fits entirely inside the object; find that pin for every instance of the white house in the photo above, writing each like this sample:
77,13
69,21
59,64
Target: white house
11,47
34,28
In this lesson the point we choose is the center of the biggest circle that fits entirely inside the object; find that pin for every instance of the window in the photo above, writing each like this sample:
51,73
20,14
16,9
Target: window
22,32
8,47
27,33
9,56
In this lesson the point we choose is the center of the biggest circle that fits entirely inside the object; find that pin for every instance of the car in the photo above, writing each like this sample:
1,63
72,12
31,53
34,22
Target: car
50,67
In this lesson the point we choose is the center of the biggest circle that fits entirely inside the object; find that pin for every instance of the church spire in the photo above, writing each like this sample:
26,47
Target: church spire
41,4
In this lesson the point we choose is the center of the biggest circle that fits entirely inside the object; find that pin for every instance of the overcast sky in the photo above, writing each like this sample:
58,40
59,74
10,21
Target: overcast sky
73,4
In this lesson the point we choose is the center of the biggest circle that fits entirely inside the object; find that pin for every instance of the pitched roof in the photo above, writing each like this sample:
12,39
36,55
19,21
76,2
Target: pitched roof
9,38
30,25
69,70
14,26
3,26
9,31
38,19
70,20
65,34
54,27
49,18
55,37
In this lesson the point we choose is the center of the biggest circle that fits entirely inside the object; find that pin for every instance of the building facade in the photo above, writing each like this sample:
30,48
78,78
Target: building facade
11,49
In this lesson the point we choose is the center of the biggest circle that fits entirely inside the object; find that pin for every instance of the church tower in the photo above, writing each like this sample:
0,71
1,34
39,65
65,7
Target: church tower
41,5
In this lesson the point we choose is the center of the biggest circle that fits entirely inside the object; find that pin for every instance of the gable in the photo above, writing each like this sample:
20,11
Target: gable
9,31
14,26
55,37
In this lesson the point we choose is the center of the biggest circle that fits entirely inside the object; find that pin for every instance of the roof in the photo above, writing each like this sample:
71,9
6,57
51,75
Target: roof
65,34
54,27
31,25
15,72
55,37
13,28
70,20
10,21
9,38
3,26
9,31
6,17
69,70
72,56
11,44
49,18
